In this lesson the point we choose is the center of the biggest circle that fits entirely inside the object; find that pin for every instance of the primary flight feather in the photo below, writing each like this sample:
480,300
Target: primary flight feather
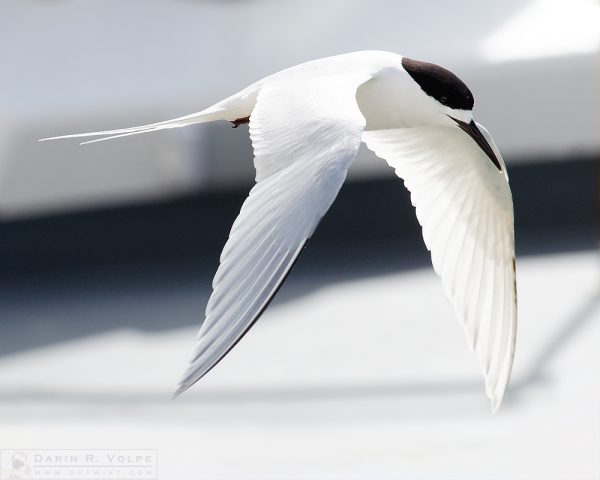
306,125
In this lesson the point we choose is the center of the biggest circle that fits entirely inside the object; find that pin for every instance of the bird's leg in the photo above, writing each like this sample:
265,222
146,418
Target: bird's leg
240,121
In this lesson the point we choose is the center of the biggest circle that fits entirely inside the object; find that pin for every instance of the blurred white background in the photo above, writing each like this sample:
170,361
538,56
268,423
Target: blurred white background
79,66
358,369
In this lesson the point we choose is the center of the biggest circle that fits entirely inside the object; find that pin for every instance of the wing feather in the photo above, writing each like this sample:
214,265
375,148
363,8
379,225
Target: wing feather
304,134
464,206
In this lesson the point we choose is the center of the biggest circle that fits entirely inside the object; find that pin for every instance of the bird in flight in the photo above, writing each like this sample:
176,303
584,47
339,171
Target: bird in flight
306,124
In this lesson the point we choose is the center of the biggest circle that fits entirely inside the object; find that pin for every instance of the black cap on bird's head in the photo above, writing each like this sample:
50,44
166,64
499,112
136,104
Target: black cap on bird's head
440,84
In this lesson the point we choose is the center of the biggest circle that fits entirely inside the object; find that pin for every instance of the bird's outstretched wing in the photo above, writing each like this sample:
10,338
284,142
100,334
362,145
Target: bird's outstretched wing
305,135
464,204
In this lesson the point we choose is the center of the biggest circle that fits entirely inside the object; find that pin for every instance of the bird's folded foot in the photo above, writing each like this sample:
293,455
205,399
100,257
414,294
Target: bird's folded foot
240,121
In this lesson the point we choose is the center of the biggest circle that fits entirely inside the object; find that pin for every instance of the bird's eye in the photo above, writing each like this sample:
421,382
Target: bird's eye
443,100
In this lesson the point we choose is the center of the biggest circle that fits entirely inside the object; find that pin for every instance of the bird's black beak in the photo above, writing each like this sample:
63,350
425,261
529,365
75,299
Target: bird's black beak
473,132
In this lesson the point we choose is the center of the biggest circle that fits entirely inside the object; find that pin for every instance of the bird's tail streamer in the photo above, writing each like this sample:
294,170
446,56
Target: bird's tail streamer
200,117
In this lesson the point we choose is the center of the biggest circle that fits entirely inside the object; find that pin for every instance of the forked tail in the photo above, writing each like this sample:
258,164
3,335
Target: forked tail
200,117
233,108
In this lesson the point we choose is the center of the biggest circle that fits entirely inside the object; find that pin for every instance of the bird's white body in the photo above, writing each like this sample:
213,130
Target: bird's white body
306,124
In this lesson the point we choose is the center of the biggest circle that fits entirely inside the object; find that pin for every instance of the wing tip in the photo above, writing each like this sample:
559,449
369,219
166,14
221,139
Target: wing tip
180,389
495,403
495,393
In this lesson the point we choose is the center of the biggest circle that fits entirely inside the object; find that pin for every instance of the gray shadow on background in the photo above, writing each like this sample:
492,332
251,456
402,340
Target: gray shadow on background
149,305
